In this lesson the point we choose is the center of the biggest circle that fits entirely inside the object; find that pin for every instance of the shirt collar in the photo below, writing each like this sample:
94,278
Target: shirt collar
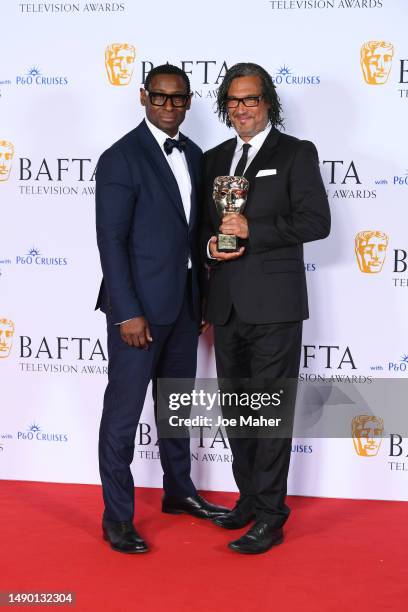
159,135
256,142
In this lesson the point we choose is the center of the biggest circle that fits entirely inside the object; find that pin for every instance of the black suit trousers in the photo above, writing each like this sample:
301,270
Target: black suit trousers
260,464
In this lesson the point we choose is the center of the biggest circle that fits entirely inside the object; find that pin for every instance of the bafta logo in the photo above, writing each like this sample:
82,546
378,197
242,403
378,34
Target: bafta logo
370,249
367,434
6,157
376,59
6,337
119,61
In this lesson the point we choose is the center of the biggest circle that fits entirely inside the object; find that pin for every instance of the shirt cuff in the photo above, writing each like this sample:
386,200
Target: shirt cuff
208,251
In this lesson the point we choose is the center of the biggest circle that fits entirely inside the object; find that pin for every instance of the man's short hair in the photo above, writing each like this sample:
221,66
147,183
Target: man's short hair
167,69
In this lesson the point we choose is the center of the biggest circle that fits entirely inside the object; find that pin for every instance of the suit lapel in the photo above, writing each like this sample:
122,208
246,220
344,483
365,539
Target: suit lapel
261,161
193,171
225,155
220,167
155,155
262,158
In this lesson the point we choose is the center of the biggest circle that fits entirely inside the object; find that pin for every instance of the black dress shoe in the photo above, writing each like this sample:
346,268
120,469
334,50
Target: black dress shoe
260,538
195,505
123,537
240,516
236,519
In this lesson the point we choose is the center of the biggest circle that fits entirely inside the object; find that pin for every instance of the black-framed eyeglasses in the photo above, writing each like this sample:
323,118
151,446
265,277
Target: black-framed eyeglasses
159,99
248,101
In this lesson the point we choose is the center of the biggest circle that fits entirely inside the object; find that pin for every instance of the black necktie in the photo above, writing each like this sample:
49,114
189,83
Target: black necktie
239,170
170,143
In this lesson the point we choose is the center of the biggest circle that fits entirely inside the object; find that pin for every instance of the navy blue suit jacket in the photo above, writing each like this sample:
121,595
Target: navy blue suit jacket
143,235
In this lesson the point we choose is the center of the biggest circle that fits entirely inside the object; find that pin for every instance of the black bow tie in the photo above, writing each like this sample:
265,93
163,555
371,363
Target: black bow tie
170,143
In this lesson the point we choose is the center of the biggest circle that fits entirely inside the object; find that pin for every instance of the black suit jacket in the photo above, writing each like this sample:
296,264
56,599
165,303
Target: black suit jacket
143,235
284,210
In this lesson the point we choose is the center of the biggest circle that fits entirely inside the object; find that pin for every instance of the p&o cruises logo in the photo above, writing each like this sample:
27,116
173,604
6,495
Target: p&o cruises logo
286,76
35,77
34,257
34,432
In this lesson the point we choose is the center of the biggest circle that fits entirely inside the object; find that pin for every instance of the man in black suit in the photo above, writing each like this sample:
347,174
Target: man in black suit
257,297
147,187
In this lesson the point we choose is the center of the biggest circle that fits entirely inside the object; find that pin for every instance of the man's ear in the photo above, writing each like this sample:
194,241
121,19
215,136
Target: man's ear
189,102
143,96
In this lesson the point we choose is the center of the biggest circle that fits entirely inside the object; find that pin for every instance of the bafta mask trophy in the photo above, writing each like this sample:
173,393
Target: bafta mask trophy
230,195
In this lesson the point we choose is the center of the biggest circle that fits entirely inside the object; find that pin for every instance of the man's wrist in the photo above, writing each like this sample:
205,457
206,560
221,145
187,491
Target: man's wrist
127,320
209,252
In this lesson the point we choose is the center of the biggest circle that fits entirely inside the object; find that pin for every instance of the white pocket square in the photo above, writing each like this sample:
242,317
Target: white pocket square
267,172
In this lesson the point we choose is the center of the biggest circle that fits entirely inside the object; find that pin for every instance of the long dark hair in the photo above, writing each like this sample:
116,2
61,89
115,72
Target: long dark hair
268,91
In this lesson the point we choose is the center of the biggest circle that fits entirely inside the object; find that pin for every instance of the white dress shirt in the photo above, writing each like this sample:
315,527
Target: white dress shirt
256,143
178,164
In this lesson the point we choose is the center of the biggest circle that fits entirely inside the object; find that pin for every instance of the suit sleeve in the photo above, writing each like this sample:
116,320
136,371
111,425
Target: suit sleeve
116,199
207,229
309,216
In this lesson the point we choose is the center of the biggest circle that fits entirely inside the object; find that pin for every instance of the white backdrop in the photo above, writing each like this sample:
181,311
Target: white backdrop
59,111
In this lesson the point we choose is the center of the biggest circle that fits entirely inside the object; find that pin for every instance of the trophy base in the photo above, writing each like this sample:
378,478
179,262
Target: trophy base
227,244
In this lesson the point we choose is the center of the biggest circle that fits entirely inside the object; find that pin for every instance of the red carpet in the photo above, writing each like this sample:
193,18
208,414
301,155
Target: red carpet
338,555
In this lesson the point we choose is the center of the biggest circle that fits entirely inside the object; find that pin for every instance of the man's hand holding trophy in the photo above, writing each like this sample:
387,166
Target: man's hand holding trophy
230,195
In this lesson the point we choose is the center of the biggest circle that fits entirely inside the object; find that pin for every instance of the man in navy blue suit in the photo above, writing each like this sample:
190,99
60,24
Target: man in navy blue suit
147,191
